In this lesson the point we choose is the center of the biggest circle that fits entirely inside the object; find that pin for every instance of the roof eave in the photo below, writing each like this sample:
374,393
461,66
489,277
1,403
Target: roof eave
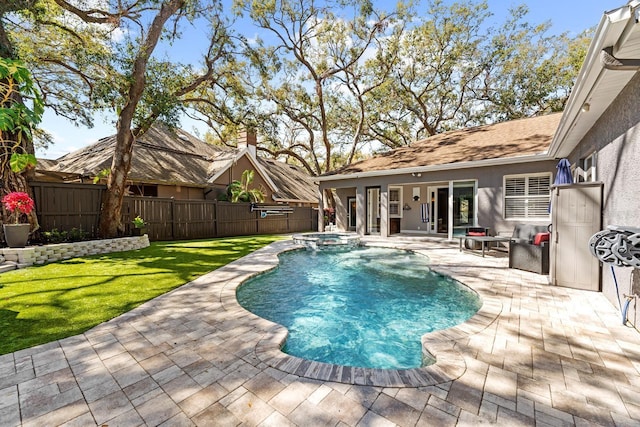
254,162
259,168
152,181
613,29
284,200
436,168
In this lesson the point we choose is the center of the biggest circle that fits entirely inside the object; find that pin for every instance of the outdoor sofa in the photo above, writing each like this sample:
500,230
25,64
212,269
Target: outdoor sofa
529,248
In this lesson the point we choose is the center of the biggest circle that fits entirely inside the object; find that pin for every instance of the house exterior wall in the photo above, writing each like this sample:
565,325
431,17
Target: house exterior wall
234,173
181,192
616,138
342,207
490,181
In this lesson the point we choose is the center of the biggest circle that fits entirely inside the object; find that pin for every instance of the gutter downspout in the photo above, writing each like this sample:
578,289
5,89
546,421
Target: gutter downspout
614,27
610,62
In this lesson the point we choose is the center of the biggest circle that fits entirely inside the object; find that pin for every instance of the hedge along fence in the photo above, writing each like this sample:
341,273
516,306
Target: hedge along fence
67,206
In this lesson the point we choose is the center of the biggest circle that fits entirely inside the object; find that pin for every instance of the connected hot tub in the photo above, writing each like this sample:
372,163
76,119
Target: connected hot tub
331,240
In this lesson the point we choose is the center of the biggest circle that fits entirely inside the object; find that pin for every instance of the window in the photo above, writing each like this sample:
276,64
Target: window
585,171
143,190
395,202
527,196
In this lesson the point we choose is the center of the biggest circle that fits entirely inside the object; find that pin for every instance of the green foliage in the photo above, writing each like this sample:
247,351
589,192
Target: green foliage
58,236
138,222
304,74
430,67
20,162
66,56
16,84
526,71
104,173
239,191
327,80
58,300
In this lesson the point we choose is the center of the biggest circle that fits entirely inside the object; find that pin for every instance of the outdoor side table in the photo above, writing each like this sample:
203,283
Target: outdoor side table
484,240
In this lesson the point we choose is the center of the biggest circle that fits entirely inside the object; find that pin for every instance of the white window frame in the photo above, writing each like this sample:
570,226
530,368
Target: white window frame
395,204
585,171
545,198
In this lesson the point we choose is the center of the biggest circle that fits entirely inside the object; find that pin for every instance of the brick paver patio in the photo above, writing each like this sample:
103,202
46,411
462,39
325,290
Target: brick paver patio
535,355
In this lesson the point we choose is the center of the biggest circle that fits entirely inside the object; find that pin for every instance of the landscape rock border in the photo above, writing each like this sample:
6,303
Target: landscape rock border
30,255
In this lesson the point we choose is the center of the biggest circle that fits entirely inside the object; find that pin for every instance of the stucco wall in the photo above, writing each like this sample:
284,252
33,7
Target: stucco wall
411,219
342,196
181,192
616,138
234,173
490,182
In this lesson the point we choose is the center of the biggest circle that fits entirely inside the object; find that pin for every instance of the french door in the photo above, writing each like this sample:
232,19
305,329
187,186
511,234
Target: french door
439,209
373,210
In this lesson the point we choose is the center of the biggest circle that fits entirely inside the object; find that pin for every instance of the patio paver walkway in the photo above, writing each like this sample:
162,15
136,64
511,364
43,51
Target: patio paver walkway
546,356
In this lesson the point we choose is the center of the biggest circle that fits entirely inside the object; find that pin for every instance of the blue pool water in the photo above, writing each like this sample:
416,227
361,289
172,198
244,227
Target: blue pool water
366,307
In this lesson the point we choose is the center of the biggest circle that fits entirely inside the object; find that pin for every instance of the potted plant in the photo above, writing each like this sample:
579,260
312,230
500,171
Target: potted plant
139,226
18,203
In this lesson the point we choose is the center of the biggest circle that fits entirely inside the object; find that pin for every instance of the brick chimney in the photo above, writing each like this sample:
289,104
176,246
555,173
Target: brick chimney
247,138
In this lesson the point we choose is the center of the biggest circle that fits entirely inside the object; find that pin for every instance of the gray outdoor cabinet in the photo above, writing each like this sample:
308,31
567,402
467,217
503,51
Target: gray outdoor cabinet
576,215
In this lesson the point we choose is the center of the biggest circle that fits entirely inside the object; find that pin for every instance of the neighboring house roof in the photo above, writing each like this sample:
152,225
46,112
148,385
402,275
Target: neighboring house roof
46,163
160,156
45,171
292,181
602,77
508,142
174,157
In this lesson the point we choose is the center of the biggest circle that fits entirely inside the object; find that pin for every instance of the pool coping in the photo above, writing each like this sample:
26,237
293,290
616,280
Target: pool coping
449,365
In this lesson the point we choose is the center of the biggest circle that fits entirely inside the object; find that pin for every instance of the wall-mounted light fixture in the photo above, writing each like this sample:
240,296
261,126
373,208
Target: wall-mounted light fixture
418,174
416,194
406,207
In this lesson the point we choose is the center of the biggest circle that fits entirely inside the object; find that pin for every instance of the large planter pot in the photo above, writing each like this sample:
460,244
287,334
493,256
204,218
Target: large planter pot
140,231
16,235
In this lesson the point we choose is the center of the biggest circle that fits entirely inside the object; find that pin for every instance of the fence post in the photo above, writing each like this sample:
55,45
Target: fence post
215,218
173,219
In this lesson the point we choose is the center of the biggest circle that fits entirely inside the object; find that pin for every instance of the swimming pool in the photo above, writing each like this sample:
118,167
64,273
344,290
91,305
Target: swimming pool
366,307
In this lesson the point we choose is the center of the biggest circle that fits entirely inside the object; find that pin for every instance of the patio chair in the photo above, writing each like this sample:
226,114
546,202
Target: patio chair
529,248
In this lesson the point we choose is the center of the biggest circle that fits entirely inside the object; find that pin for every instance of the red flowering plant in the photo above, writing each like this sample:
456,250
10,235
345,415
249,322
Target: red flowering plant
18,203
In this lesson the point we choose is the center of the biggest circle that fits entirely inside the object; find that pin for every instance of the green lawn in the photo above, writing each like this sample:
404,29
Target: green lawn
58,300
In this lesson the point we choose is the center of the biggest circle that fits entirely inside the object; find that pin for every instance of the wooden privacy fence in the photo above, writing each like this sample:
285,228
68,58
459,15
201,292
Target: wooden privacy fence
67,206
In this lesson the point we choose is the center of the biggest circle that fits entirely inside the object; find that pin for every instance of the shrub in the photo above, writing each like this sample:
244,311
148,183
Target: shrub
57,236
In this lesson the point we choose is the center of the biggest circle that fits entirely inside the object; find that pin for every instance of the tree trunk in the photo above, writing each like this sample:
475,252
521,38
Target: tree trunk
111,212
12,141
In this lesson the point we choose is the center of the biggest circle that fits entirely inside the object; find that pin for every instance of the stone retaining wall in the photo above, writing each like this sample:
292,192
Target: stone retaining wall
25,257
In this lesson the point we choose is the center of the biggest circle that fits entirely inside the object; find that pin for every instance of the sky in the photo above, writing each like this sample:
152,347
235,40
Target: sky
572,16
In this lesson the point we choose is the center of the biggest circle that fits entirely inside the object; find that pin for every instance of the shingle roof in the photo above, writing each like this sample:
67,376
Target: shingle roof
292,181
159,156
174,157
498,141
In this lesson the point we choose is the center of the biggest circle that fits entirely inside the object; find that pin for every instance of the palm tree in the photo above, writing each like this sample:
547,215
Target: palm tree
239,191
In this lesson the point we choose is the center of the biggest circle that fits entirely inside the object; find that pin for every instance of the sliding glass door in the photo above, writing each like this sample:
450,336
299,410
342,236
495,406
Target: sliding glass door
464,209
